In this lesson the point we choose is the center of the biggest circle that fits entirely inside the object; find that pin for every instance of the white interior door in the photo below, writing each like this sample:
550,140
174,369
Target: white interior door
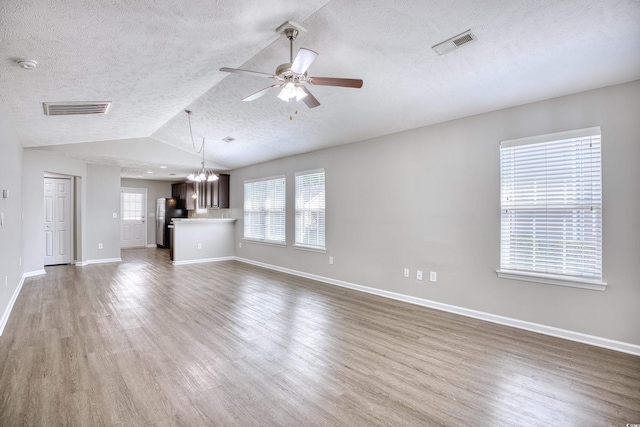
133,208
57,221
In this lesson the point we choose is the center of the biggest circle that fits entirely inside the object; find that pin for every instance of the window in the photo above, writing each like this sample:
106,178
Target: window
310,223
264,210
551,209
131,206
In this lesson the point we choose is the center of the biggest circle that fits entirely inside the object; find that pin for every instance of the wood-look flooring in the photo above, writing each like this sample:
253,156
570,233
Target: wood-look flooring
143,342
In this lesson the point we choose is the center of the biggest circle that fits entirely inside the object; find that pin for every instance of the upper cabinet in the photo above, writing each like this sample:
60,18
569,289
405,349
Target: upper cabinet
214,194
220,193
179,190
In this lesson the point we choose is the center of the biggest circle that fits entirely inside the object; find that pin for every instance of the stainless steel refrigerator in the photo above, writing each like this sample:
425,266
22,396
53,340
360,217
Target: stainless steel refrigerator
166,209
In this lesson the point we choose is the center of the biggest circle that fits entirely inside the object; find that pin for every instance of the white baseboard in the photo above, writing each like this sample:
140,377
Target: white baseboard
202,260
33,273
14,297
152,246
97,261
494,318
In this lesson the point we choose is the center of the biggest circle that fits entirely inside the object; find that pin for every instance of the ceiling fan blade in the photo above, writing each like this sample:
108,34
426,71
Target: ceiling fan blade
249,72
260,93
310,100
304,59
334,81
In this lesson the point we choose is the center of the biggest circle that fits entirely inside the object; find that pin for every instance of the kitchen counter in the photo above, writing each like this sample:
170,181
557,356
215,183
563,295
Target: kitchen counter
198,220
197,240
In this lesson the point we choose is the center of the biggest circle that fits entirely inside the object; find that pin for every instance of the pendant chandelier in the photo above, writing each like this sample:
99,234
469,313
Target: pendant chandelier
201,174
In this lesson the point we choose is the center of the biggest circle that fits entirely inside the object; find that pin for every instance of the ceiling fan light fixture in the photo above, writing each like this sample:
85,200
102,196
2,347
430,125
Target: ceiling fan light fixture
300,93
294,72
284,94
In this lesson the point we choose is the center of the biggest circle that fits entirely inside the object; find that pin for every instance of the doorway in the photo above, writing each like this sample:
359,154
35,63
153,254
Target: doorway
133,208
58,221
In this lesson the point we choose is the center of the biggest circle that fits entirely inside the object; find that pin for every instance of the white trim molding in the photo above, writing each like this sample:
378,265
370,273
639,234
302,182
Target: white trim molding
152,245
14,297
203,260
493,318
552,279
34,273
97,261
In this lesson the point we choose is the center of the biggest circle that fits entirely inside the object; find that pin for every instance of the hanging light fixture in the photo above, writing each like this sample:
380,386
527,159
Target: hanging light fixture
201,174
292,90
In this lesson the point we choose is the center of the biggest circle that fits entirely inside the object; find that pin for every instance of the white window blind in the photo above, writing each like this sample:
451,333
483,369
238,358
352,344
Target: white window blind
551,204
310,209
264,210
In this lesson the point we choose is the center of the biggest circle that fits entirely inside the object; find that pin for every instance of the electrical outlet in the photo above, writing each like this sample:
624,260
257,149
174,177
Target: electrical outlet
115,215
6,281
100,246
433,276
419,275
240,245
2,218
199,245
330,260
406,272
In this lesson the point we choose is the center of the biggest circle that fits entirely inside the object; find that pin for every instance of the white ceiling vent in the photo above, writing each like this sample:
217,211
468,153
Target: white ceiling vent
73,108
454,42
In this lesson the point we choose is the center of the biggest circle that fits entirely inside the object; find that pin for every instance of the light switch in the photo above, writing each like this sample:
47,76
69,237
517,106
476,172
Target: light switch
2,218
5,194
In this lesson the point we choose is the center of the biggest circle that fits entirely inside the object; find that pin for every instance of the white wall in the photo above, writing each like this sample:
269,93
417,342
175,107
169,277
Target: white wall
11,230
155,190
428,199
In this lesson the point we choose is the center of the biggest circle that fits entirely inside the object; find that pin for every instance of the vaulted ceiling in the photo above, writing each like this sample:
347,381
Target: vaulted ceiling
155,58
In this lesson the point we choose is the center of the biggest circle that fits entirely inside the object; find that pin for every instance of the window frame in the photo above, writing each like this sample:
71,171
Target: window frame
593,282
263,210
299,244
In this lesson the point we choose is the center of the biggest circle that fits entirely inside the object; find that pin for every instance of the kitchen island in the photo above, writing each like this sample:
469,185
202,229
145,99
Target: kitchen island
196,240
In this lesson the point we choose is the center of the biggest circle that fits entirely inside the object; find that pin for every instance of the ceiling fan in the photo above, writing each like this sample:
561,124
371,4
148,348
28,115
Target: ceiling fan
292,75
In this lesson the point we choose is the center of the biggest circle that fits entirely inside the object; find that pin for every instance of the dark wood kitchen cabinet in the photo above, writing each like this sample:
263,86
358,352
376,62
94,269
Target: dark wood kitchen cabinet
220,192
185,191
214,194
179,190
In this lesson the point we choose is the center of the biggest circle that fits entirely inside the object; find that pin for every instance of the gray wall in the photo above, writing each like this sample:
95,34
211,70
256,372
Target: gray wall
103,200
97,197
36,164
155,190
11,231
428,199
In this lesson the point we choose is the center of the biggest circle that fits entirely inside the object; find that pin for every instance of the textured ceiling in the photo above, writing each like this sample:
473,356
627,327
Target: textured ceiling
154,58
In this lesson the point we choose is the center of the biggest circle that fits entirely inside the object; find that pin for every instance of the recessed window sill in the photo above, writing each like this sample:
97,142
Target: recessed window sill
262,242
552,279
310,248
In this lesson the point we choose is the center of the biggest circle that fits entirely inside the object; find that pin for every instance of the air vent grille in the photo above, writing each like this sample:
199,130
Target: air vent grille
73,108
454,42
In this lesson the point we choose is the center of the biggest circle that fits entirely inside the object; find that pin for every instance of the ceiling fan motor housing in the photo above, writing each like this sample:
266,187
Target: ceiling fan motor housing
283,69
